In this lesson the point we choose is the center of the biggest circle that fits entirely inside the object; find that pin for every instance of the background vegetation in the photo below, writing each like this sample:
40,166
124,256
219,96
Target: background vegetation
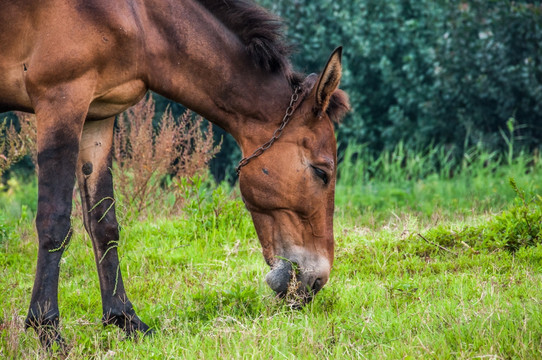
418,72
427,72
424,72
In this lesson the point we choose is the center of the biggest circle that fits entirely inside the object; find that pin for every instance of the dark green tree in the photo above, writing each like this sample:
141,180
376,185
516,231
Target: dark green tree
426,72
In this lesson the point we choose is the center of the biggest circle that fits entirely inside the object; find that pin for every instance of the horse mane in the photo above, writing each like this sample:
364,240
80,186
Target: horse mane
260,32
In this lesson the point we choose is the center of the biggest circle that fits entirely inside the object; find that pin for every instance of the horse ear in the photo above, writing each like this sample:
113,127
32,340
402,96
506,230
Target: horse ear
328,81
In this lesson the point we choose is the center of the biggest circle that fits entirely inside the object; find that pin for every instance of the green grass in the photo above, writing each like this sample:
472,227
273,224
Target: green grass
420,183
198,278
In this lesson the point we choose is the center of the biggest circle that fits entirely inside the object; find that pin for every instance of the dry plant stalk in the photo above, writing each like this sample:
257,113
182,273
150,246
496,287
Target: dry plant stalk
13,329
14,145
144,156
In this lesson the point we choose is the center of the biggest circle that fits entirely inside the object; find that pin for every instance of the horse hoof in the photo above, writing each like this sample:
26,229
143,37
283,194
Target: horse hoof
52,341
149,333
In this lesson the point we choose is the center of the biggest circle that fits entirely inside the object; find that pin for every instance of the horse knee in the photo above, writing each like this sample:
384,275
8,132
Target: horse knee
54,229
101,220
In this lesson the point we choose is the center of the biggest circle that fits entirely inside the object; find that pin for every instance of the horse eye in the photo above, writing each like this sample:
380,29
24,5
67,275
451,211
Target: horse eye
321,174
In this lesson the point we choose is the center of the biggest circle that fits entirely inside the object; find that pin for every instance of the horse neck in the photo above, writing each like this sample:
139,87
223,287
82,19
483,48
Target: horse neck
196,61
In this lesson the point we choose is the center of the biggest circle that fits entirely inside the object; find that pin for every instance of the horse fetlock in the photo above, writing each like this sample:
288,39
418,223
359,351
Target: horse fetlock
37,318
46,326
126,320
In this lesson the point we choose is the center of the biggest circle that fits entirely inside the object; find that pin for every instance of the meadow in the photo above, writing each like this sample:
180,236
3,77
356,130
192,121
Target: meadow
432,262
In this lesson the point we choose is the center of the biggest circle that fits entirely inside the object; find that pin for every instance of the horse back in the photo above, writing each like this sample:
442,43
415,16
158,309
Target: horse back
45,43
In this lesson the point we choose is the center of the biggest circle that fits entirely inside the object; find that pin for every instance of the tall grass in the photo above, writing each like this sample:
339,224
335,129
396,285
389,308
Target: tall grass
431,181
150,160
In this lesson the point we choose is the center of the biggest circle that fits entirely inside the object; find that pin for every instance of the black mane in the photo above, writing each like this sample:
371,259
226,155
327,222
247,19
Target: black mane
259,30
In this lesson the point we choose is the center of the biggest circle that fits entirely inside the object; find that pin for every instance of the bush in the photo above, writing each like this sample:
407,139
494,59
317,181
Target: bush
427,72
149,160
15,143
517,227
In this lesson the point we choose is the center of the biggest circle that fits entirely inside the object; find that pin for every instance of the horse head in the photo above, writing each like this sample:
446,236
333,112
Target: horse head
289,188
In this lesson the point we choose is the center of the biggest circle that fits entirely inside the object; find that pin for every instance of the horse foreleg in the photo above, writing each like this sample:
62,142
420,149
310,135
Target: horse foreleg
58,143
96,187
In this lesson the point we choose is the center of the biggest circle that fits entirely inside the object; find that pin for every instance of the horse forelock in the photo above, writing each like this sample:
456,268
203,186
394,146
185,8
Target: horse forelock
259,31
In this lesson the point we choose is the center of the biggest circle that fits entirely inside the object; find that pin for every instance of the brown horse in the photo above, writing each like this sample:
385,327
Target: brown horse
77,64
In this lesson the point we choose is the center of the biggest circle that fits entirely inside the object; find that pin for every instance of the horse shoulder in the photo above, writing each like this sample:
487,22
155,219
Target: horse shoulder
55,43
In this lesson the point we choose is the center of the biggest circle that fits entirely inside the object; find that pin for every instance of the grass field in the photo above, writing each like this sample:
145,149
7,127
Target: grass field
198,277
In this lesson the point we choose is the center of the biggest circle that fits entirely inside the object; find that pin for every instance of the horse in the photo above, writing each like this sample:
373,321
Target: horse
77,64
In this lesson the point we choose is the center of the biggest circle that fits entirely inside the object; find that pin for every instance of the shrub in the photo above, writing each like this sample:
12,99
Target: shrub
518,226
427,72
150,159
16,144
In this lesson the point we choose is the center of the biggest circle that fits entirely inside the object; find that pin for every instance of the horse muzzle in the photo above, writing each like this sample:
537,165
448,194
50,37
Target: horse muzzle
298,280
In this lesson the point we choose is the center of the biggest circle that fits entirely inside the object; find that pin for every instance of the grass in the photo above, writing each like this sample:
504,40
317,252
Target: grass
198,279
373,189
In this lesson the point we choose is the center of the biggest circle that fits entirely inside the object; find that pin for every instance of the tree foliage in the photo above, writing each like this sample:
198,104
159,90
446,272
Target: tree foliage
426,72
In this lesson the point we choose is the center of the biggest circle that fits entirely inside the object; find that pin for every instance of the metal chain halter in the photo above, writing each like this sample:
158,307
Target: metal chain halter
278,132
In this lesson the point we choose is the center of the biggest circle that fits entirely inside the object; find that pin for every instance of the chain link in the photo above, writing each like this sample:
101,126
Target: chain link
276,134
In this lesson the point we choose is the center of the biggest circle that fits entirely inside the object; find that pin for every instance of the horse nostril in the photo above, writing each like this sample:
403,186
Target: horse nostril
317,285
